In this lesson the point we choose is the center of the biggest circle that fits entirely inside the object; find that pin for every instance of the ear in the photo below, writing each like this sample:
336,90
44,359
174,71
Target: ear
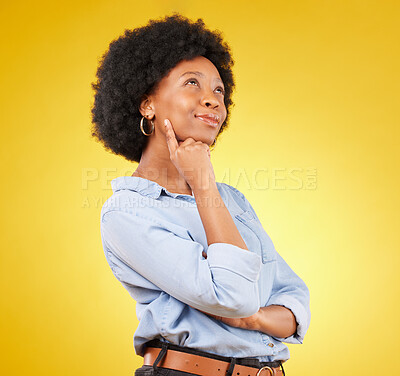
146,107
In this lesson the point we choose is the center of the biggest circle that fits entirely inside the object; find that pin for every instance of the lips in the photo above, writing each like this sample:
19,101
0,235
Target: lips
211,119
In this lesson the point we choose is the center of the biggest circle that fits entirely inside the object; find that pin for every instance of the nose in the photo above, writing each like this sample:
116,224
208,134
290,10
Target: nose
209,99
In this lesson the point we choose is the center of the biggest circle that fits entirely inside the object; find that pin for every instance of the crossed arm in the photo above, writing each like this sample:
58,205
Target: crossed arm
274,320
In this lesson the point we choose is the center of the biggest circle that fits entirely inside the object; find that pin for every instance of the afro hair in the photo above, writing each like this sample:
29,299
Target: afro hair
133,66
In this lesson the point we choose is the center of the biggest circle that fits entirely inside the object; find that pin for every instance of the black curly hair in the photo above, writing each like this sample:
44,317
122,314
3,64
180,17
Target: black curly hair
134,65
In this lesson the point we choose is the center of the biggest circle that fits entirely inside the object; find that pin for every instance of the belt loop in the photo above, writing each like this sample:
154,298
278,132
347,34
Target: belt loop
231,367
160,355
283,371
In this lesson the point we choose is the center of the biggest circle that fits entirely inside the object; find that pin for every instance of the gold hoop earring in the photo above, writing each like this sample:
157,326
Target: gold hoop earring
141,126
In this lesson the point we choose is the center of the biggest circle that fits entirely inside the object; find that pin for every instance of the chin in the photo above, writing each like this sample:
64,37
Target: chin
206,140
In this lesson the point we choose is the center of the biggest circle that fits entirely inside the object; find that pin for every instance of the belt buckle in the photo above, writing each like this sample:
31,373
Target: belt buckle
265,367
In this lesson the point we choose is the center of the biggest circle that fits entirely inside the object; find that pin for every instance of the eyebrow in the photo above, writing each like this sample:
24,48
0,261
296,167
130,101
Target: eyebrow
197,73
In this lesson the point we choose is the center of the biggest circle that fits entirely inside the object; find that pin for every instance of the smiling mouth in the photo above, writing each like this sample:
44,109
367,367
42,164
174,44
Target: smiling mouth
212,122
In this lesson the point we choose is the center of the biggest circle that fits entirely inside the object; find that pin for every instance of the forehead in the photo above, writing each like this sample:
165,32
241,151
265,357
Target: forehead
199,63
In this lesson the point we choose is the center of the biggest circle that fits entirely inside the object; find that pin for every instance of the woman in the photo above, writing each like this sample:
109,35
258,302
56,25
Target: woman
213,295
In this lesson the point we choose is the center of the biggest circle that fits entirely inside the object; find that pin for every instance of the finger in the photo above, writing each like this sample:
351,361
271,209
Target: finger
188,141
170,136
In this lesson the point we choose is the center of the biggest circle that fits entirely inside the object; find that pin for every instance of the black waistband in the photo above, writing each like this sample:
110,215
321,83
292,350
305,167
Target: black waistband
250,362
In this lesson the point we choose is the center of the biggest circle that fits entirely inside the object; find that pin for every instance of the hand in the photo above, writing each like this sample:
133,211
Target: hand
249,323
191,158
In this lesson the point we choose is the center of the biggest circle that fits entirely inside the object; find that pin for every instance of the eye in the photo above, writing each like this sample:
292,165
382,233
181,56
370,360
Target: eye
191,80
195,81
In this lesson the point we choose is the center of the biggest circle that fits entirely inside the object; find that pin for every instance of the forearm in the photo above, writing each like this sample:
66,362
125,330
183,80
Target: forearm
275,320
217,221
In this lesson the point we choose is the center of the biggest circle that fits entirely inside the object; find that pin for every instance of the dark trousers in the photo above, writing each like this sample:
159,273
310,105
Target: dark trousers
154,370
149,371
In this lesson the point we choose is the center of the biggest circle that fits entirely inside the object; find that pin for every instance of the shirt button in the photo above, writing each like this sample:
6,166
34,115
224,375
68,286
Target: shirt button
271,345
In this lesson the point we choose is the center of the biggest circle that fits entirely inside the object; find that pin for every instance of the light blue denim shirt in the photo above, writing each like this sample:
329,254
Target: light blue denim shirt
153,241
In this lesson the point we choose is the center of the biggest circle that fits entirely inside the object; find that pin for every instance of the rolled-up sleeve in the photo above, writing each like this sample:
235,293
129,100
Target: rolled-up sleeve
290,291
223,284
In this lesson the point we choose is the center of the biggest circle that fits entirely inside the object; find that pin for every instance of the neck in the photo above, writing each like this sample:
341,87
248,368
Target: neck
155,165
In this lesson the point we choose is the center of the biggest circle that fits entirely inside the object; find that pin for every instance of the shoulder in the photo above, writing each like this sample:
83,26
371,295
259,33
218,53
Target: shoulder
130,202
231,191
129,211
121,200
233,197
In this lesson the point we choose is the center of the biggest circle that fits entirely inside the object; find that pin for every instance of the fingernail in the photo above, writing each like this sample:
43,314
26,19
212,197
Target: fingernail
165,122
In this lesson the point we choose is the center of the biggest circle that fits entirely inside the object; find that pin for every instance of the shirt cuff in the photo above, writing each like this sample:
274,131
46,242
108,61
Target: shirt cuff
302,317
245,263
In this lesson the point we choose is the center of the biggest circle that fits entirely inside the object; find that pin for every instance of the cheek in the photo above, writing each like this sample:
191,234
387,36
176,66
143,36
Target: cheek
181,107
170,106
225,112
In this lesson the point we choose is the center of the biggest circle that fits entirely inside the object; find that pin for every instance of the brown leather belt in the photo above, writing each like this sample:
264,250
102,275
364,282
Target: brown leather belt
200,365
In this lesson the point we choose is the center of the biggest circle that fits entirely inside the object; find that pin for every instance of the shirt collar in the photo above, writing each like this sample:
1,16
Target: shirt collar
143,186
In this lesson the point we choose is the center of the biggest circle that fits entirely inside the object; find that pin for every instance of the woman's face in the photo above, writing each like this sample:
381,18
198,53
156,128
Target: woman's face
191,96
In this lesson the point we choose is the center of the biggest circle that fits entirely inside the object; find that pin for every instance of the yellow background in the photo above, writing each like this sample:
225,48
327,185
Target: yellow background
317,88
